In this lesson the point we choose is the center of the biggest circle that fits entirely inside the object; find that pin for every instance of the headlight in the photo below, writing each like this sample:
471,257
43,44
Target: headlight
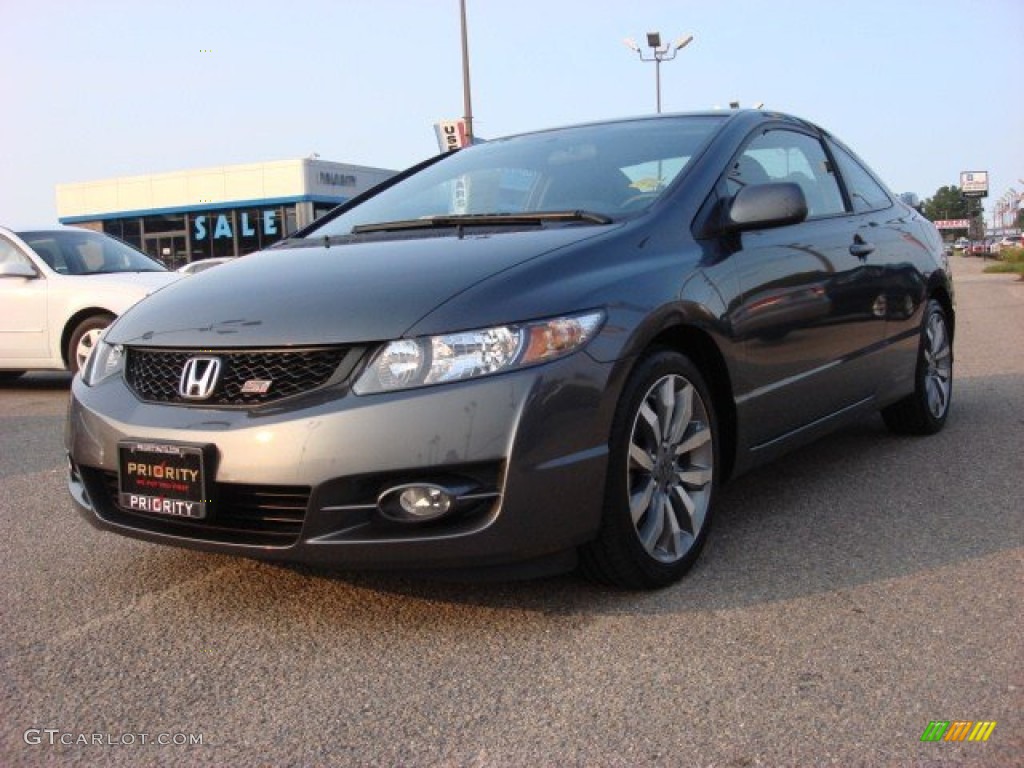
105,361
408,363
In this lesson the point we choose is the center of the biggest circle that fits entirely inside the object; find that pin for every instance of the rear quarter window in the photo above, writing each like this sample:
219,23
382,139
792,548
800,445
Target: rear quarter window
865,192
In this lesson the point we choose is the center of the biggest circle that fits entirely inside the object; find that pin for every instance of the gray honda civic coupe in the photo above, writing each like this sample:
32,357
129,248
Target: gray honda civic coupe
537,352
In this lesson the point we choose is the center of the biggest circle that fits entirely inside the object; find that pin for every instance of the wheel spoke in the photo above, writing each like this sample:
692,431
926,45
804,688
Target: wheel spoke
681,414
650,418
694,512
640,458
701,437
654,524
937,396
937,346
694,477
933,398
666,402
686,500
640,500
674,539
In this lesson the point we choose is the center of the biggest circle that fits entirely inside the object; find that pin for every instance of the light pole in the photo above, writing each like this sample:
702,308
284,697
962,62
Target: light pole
467,104
659,53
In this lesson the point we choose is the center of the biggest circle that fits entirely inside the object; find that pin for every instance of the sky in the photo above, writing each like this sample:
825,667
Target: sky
920,89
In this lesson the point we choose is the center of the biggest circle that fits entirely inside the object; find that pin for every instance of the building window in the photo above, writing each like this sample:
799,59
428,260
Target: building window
320,209
216,233
213,234
174,222
129,230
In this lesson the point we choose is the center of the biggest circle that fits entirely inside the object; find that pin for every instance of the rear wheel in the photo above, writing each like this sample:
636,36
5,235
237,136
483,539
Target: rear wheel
924,411
84,338
662,476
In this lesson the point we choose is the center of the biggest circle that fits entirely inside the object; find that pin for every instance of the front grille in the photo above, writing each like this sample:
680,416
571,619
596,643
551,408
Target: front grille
266,515
155,374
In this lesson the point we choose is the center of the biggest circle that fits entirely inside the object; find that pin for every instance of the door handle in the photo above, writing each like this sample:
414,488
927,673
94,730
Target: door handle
861,249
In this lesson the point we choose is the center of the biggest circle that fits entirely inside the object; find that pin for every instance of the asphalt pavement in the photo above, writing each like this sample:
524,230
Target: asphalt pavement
851,594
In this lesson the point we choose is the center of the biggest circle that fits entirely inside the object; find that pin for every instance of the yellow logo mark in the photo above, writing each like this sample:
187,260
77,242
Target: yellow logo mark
982,731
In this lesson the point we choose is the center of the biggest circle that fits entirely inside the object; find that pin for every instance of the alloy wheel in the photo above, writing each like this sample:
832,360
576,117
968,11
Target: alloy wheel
85,346
939,365
670,468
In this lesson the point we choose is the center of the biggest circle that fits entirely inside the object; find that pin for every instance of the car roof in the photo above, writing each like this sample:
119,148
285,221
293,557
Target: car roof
53,230
750,116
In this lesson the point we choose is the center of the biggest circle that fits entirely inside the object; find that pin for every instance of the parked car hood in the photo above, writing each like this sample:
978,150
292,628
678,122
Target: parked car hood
140,282
348,293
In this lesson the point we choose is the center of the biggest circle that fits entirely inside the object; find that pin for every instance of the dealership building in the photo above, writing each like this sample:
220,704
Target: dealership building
229,210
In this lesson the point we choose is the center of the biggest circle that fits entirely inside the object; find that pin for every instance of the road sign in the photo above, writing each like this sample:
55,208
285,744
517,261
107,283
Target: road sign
974,183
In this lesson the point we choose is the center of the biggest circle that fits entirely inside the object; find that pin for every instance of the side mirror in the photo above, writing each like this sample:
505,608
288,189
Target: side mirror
763,206
17,269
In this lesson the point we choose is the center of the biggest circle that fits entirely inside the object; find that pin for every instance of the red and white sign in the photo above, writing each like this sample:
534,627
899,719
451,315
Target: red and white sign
451,135
952,223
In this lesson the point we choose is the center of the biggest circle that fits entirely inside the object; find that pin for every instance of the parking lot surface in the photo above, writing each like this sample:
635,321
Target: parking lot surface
851,594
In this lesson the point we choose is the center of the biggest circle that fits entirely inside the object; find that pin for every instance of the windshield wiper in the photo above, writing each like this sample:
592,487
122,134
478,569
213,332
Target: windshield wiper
483,220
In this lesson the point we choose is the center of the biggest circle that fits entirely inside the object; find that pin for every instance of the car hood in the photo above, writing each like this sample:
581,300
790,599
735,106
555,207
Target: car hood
115,291
139,282
348,293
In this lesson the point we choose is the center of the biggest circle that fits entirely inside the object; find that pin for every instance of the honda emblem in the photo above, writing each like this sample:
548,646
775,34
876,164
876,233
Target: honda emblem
199,377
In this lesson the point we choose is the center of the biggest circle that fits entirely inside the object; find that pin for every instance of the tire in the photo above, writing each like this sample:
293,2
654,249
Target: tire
662,477
10,375
85,336
924,411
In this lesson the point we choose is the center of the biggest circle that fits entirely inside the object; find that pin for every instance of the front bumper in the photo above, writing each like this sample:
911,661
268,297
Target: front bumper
298,481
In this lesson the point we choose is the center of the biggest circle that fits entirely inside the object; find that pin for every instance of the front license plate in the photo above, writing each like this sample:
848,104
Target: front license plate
163,479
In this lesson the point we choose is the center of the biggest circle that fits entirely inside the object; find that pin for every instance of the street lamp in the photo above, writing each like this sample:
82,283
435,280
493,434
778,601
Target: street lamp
467,103
659,53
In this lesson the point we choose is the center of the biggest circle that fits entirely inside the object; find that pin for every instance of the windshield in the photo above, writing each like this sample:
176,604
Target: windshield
82,252
609,169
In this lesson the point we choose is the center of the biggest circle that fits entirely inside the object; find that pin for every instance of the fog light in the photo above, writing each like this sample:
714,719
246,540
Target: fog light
423,501
415,503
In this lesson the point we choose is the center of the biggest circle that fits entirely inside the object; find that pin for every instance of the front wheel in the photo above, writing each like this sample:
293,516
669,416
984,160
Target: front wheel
662,476
924,411
84,338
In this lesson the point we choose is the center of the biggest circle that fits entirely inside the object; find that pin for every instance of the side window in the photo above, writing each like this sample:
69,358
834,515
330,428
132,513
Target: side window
866,194
782,155
9,254
49,250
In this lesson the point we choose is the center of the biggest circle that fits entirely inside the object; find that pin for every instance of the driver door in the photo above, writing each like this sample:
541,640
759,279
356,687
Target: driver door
809,318
23,308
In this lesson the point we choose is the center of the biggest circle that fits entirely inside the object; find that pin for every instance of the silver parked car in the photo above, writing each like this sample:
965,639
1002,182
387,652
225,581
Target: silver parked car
542,350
